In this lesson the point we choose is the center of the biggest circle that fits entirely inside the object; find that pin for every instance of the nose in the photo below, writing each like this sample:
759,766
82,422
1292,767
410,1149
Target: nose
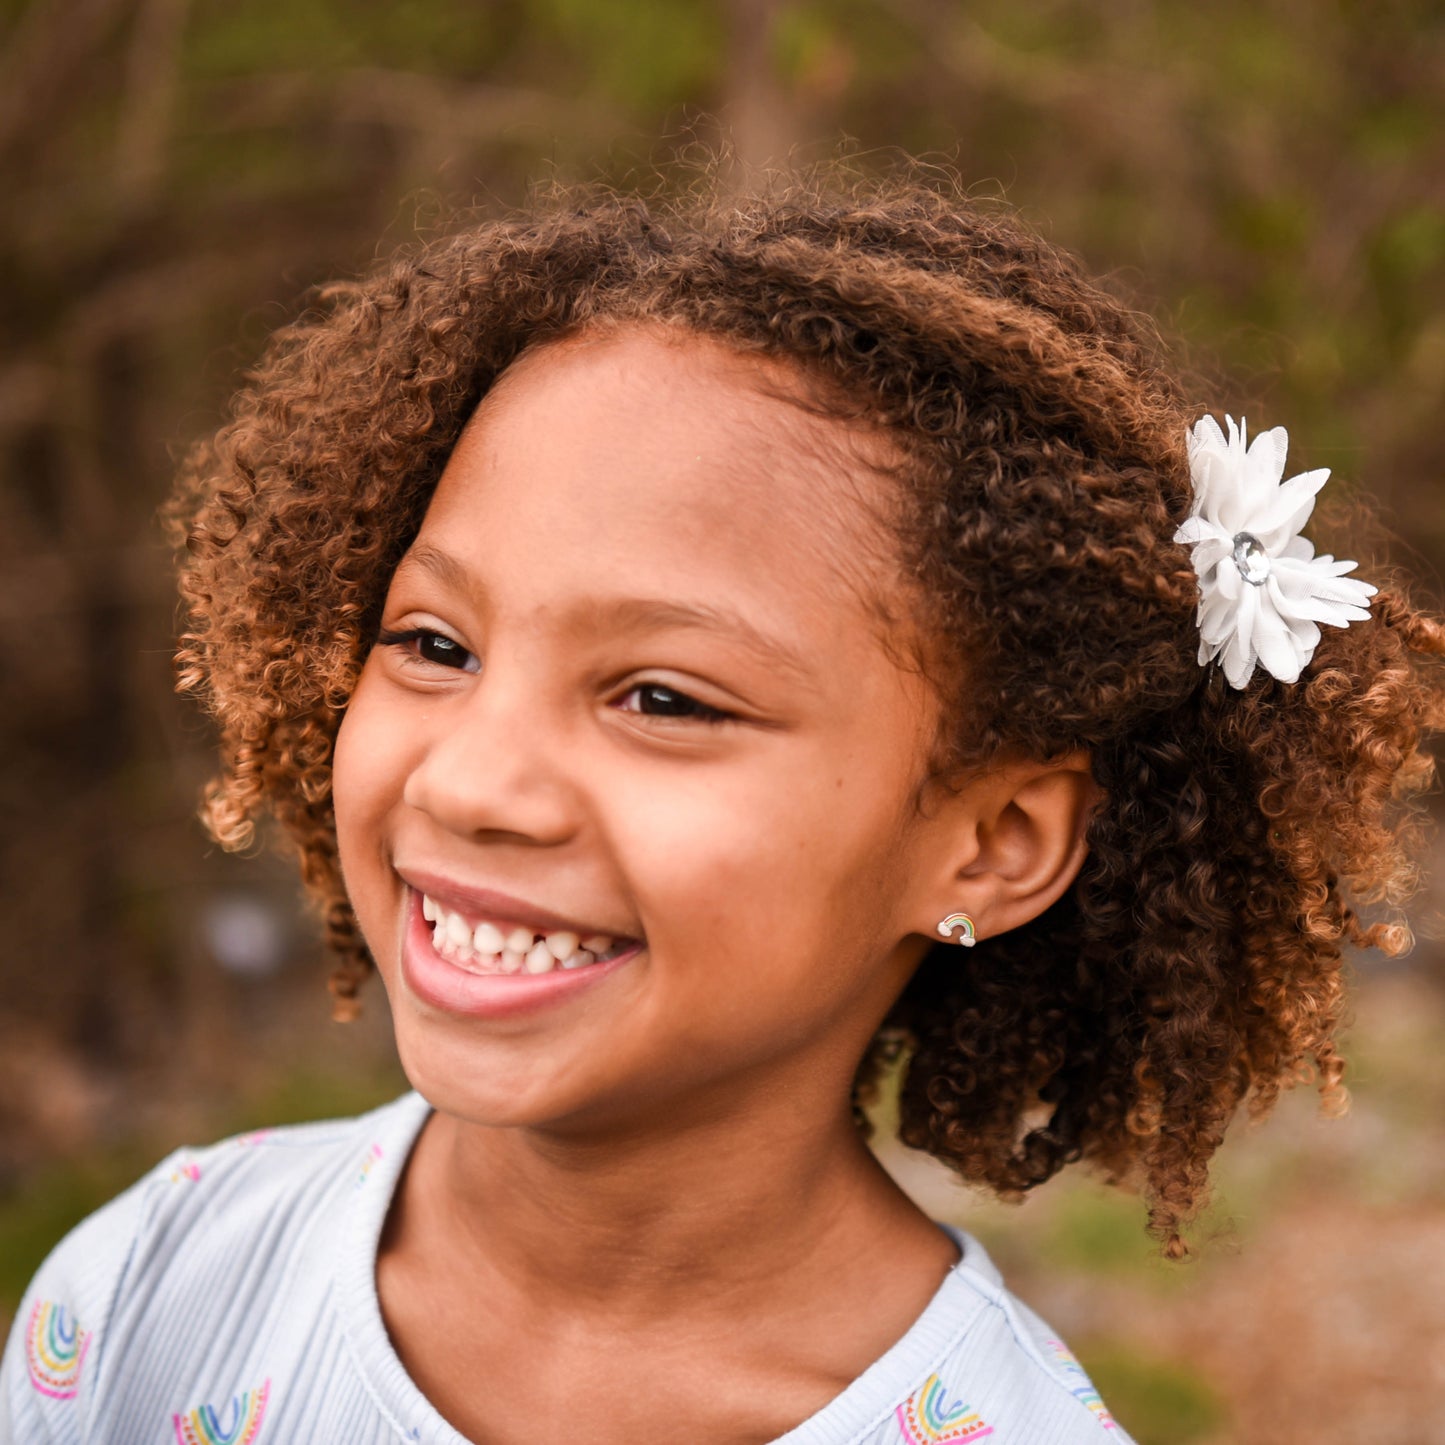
492,763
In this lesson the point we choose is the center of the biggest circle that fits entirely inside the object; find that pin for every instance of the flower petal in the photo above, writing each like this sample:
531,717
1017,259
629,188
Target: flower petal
1306,636
1206,433
1228,582
1282,515
1218,618
1275,644
1219,497
1239,654
1198,528
1232,506
1338,569
1305,584
1211,553
1264,464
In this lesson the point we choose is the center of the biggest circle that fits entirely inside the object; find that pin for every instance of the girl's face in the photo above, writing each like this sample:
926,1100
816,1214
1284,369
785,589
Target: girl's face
631,683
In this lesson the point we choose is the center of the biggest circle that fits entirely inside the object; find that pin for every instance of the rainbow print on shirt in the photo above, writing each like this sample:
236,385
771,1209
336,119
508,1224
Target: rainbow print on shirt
1080,1385
368,1164
55,1347
238,1424
927,1417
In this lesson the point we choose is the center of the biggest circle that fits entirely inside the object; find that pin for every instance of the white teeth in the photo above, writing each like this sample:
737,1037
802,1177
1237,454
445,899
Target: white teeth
490,948
488,938
561,945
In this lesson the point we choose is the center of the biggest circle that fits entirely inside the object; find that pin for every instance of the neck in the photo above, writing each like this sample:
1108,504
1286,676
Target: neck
636,1222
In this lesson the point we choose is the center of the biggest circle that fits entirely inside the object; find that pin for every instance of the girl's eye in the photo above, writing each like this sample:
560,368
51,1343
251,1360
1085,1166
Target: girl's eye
654,699
432,647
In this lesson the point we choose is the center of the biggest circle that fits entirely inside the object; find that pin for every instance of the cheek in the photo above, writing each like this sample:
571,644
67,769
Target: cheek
773,936
788,869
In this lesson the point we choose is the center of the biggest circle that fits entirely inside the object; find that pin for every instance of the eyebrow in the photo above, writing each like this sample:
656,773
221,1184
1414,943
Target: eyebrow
641,614
442,565
647,614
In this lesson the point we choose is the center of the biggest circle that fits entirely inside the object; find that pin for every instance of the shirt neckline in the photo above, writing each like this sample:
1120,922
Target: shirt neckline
864,1405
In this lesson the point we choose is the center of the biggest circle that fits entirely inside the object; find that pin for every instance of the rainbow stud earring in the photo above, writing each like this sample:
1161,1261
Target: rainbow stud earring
968,937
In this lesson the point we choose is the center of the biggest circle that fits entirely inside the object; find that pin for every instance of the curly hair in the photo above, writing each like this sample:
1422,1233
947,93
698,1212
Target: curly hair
1195,965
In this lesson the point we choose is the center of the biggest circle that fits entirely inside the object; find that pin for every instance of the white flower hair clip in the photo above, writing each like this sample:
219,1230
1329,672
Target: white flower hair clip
1262,590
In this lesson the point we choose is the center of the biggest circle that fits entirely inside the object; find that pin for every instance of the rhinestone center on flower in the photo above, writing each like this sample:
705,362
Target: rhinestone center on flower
1251,558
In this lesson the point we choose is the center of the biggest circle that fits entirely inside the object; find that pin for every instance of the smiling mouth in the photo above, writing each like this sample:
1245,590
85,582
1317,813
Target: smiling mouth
487,947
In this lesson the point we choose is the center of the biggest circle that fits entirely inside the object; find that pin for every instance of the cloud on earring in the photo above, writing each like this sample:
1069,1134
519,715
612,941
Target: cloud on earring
1262,590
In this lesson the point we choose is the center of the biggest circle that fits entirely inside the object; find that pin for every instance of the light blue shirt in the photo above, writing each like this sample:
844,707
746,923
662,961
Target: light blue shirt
229,1298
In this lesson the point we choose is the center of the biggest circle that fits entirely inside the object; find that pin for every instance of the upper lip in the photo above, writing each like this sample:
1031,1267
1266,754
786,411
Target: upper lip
497,907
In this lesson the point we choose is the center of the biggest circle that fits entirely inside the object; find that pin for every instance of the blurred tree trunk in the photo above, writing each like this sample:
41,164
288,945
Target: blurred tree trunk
758,109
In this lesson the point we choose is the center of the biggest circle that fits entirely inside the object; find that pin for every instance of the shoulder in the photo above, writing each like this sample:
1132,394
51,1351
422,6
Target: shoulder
204,1222
238,1184
1007,1376
213,1198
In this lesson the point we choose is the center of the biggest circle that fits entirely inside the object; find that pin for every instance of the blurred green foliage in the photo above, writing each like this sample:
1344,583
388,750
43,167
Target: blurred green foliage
56,1197
62,1192
1161,1401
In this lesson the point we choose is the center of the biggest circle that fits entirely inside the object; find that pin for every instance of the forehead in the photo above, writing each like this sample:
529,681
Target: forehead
680,463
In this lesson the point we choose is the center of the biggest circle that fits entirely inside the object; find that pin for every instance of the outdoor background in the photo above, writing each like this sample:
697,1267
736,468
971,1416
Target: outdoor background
1266,176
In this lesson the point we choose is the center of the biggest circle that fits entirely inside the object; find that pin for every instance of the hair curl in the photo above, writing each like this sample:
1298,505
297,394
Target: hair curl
1196,962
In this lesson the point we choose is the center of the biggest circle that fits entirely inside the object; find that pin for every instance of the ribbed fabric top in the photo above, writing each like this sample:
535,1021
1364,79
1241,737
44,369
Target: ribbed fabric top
229,1298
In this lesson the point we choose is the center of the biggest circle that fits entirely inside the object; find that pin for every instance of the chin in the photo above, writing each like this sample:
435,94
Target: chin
491,1087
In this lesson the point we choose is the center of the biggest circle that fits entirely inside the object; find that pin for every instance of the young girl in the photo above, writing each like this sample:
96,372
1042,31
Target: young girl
700,655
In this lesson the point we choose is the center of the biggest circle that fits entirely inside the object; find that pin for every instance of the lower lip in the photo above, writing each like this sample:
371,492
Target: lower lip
439,982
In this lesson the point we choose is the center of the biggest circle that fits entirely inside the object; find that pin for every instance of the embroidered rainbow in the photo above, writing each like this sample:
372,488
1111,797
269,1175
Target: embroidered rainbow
368,1164
55,1347
927,1417
239,1425
1080,1385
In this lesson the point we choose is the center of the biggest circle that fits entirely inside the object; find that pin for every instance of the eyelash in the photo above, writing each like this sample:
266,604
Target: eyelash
701,711
411,637
421,635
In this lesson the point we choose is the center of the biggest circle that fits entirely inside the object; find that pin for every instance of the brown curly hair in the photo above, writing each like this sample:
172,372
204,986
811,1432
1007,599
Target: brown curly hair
1196,962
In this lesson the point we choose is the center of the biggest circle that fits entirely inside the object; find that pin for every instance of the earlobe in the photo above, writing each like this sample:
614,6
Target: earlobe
1012,841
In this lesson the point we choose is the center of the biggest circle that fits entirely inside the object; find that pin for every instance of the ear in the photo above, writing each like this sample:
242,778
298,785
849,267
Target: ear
1005,843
